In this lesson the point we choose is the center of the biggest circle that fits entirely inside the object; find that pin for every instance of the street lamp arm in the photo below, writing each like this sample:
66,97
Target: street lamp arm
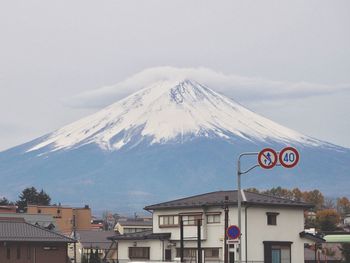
251,168
247,153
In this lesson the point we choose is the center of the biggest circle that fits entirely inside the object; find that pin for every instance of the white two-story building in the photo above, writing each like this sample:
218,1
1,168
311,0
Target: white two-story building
271,230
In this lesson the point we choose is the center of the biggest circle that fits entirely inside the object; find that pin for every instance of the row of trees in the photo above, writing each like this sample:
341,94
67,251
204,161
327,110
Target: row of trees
29,195
315,197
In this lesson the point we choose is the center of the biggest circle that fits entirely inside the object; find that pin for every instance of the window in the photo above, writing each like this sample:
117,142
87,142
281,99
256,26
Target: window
272,218
8,253
129,230
39,211
277,252
188,253
280,254
167,221
276,255
211,253
139,252
213,218
18,252
134,230
191,220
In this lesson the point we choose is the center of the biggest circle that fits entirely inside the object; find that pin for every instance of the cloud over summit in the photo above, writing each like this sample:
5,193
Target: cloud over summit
240,88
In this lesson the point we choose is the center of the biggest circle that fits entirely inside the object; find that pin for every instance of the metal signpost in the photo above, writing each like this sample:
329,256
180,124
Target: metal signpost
267,159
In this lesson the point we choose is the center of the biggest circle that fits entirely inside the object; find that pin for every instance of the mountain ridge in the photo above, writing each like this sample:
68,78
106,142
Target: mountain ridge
157,160
170,111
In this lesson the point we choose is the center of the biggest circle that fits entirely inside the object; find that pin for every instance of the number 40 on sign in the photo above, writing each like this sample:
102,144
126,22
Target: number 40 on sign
289,157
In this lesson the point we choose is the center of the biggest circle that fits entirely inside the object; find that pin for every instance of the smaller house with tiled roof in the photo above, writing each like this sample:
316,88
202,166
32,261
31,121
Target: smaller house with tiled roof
270,231
132,226
22,242
91,240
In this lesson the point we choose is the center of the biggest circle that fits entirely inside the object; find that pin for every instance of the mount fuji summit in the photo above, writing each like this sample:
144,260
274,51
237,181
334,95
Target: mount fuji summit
170,139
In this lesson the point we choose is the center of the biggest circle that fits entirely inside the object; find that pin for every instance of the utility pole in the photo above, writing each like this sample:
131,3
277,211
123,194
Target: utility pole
181,240
199,248
225,229
75,236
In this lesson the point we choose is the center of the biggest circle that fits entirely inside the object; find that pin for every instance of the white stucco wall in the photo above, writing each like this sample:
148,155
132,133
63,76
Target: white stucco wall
290,222
156,248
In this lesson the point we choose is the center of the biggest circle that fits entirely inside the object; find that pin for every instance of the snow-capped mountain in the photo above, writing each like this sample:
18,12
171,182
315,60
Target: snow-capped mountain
170,111
170,139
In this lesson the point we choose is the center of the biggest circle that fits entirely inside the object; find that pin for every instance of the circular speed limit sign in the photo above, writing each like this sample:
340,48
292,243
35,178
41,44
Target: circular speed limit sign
289,157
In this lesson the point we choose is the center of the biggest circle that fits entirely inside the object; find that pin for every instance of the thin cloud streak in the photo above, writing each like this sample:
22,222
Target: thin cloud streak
240,88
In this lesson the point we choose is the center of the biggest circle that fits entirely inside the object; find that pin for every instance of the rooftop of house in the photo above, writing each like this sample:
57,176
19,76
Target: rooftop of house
218,199
94,239
58,206
17,230
8,208
142,236
135,222
42,220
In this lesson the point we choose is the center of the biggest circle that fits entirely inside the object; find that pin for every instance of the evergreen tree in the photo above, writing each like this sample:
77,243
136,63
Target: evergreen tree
43,198
5,201
31,196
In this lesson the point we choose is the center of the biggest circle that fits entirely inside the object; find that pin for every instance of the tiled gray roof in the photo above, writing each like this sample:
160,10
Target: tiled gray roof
136,223
94,238
142,236
15,230
42,220
218,199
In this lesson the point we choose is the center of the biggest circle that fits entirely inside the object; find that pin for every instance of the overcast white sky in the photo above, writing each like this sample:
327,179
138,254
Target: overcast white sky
287,60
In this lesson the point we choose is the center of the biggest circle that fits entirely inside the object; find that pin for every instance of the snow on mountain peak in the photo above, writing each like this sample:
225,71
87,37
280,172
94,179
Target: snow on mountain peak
166,111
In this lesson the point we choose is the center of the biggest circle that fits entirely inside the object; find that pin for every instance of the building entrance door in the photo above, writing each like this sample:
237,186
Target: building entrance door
168,255
232,257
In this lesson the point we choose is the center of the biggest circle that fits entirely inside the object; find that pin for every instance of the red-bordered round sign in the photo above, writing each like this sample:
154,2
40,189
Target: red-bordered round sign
267,158
233,232
289,157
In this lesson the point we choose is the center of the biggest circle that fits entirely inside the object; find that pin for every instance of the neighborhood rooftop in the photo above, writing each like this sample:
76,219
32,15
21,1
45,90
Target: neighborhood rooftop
95,239
135,222
17,230
142,236
218,199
